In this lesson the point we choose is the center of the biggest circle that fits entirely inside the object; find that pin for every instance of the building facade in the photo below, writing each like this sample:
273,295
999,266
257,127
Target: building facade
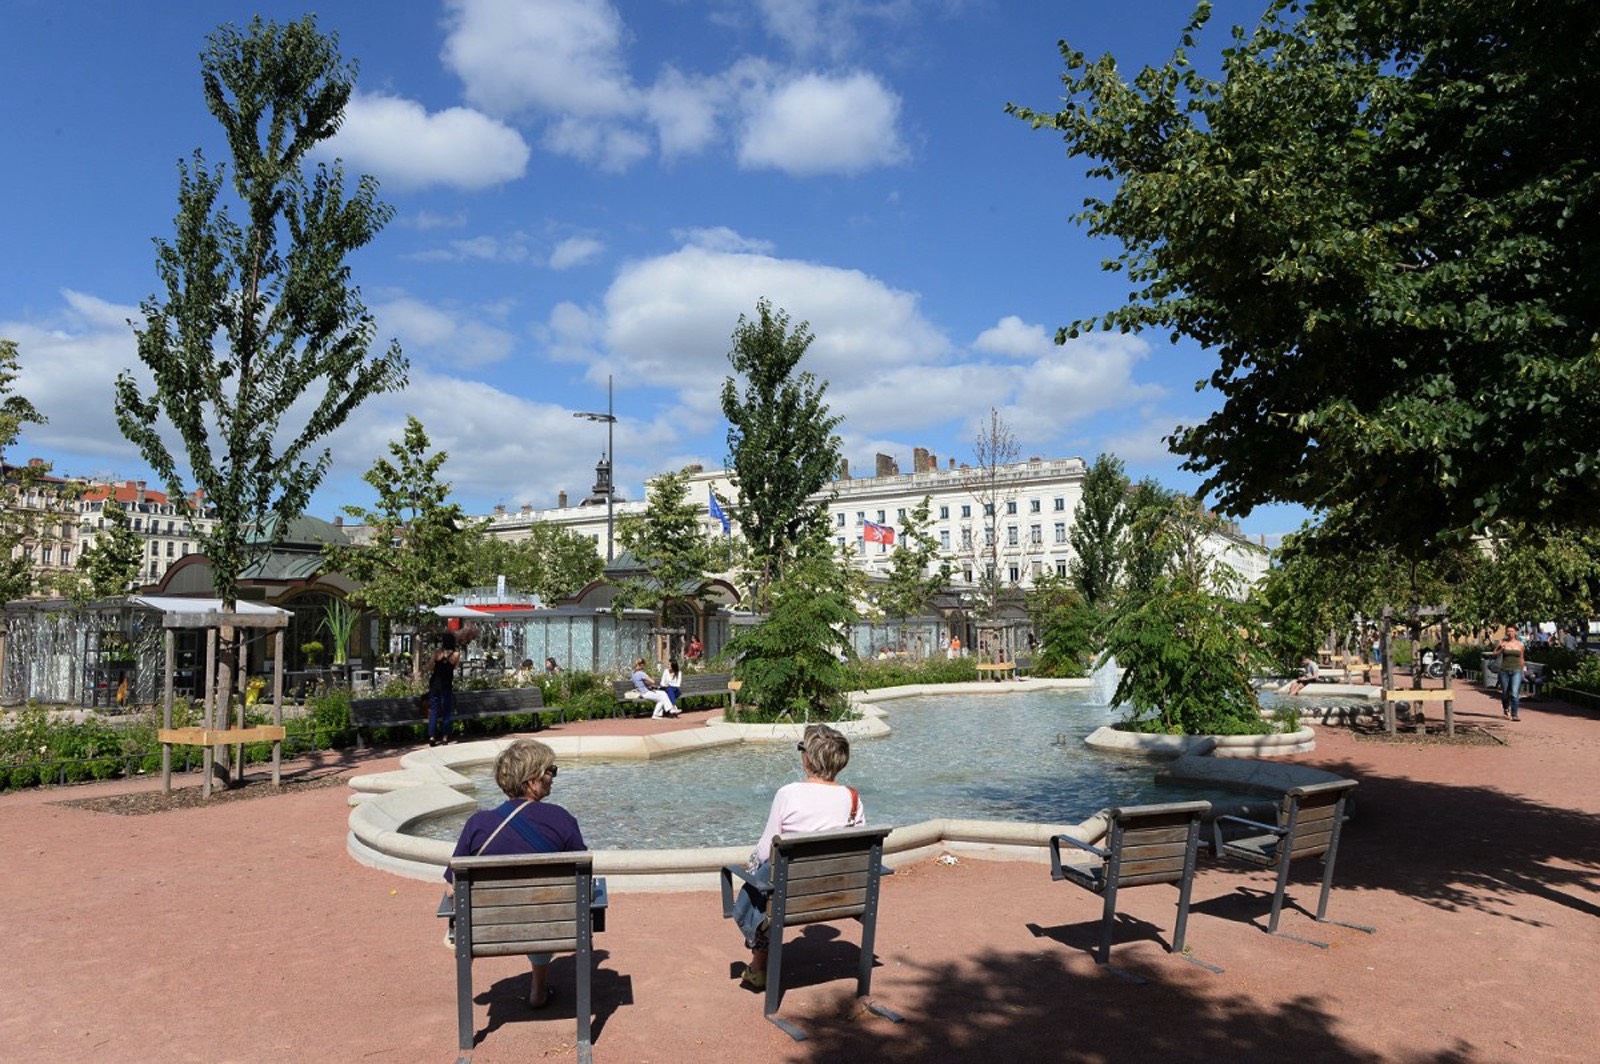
169,534
1015,517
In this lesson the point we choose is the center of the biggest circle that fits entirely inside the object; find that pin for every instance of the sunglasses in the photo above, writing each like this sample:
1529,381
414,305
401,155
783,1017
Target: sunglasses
800,747
551,772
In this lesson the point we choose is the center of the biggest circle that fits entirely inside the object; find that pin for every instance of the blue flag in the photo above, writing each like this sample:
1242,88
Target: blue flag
716,511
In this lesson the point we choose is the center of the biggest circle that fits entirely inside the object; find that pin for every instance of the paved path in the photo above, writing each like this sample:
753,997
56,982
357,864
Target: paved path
242,932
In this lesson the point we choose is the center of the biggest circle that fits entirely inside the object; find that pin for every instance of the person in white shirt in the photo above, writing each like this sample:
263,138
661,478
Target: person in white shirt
651,693
672,681
817,803
1308,673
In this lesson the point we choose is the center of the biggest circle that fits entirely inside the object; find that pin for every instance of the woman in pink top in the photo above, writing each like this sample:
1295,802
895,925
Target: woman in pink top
817,803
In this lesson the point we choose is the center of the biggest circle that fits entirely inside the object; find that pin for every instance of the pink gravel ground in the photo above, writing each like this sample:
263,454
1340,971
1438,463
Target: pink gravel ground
243,932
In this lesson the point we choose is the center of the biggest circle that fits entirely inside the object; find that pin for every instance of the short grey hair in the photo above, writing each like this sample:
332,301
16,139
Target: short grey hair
827,751
520,764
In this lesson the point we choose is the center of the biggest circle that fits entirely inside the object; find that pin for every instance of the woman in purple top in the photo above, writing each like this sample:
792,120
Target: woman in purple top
525,823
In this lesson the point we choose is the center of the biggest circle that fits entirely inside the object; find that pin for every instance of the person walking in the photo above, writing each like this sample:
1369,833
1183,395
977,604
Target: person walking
1513,658
442,691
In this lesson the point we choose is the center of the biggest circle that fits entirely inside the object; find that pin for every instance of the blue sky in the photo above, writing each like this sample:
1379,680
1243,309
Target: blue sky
594,187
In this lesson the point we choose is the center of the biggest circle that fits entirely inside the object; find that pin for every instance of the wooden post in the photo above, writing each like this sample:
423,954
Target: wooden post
239,674
277,704
1387,678
209,754
166,715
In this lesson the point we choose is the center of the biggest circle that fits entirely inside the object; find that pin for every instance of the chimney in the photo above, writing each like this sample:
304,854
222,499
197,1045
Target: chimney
886,466
952,463
499,509
338,521
527,507
844,469
561,500
919,459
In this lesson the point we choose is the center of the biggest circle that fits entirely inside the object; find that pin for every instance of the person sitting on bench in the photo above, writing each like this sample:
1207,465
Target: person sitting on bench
1308,674
648,690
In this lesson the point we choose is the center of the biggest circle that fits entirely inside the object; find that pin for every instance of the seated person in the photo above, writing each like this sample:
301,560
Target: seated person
524,674
817,803
1308,673
648,690
550,667
524,823
672,681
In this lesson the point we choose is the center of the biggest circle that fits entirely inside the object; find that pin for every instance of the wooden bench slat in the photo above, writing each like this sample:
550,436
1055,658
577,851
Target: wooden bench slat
510,949
793,917
521,893
549,930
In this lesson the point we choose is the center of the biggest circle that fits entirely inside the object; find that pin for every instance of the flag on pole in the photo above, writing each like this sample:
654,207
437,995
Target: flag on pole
876,533
716,511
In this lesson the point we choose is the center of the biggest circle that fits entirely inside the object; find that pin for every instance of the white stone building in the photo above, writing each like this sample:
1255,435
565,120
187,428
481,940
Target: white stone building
1033,506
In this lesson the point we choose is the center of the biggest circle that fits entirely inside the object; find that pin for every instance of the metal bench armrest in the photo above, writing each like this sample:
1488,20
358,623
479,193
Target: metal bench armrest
761,883
447,906
1055,853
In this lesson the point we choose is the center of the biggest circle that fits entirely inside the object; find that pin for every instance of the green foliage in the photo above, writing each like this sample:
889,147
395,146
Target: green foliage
1066,625
1098,532
1531,573
259,315
551,562
1584,675
781,443
16,573
1382,217
1187,658
669,544
790,661
421,545
896,672
110,566
339,620
917,572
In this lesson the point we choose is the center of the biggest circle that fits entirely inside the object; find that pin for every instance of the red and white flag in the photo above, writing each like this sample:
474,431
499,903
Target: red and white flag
876,533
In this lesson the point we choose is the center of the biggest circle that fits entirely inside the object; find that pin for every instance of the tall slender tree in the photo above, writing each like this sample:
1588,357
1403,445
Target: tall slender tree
781,440
1098,531
16,573
916,571
420,546
550,561
668,544
259,347
992,486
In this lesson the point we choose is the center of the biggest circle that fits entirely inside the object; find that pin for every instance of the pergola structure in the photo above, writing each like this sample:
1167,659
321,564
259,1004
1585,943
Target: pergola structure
214,733
1417,618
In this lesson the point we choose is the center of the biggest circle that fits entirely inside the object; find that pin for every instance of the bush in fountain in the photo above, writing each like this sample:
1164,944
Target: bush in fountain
1187,656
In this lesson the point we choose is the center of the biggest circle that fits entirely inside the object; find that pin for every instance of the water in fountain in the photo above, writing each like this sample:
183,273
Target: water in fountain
1105,677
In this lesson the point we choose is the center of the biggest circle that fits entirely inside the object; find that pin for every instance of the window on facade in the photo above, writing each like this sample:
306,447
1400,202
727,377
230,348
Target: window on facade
988,537
1061,531
1035,535
44,555
861,544
988,509
966,510
138,524
1061,504
1014,574
944,513
880,516
1011,506
186,549
861,517
169,528
66,556
1038,569
839,540
839,520
900,514
1011,535
170,546
155,548
966,576
966,537
1061,568
1033,506
944,538
988,572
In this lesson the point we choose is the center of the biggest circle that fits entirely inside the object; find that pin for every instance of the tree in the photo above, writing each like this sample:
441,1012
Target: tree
994,448
668,544
916,570
259,348
420,546
791,663
550,561
110,565
1382,217
1066,626
1099,531
781,444
16,572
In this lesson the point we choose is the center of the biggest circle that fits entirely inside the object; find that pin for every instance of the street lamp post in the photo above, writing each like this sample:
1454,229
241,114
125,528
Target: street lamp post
610,419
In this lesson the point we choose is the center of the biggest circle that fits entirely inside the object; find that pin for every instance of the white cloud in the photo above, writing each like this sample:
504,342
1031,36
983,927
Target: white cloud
600,141
404,145
832,28
562,56
822,124
447,337
575,251
484,248
722,238
1013,336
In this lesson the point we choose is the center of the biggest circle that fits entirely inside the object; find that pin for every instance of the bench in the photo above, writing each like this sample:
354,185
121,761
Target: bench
1309,822
1144,844
998,669
1535,674
524,903
470,705
695,685
815,877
